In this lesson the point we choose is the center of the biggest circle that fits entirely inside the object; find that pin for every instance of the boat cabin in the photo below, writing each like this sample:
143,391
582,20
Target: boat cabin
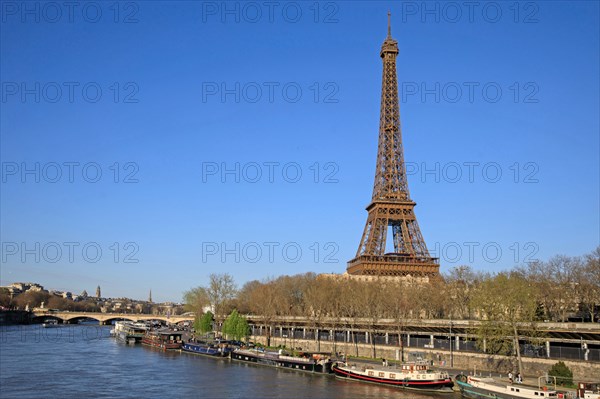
170,337
588,390
414,368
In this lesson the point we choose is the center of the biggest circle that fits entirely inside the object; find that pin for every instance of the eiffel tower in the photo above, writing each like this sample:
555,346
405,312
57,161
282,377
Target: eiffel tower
391,204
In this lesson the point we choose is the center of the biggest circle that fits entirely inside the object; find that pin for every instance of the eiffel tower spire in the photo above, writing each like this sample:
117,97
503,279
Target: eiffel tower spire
390,203
389,25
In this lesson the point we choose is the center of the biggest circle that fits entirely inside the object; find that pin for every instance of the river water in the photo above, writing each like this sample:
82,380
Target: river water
78,361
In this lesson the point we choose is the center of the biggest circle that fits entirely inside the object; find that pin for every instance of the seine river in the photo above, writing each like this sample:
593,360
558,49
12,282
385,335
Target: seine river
83,361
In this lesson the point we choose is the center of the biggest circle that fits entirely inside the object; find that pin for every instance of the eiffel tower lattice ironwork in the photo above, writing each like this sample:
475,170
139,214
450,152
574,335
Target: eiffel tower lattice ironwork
391,205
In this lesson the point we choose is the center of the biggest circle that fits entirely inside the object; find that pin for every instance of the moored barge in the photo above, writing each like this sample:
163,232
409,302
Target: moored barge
164,340
217,349
308,362
488,388
130,332
415,376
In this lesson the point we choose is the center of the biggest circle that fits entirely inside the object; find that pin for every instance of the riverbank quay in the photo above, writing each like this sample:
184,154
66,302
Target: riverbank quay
461,362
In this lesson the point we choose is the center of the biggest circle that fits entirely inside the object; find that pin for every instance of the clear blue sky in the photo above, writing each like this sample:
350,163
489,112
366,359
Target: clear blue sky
189,89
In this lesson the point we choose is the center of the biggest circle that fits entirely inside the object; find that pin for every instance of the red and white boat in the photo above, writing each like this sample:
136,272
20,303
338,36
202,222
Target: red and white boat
416,376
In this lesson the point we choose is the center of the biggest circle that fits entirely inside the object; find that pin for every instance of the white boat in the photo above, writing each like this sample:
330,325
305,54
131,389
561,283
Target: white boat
130,332
488,388
50,323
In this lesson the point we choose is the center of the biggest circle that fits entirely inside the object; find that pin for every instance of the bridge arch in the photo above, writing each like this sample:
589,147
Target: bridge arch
120,318
76,319
42,318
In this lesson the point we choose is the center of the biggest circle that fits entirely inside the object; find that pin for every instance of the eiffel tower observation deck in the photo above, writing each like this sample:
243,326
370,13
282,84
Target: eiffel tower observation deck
391,205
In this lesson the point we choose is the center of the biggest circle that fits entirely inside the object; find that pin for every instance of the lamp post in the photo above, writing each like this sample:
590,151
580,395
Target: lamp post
401,349
451,351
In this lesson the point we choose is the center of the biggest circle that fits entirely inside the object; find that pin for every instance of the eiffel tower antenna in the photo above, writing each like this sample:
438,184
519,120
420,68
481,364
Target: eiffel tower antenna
389,25
391,205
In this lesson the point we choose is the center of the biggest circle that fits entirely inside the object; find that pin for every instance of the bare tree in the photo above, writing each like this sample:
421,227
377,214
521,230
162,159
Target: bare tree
195,300
398,307
350,307
221,289
587,277
318,299
371,307
263,303
460,282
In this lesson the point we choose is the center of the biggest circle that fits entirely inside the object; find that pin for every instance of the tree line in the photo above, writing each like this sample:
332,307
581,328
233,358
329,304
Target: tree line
554,290
33,299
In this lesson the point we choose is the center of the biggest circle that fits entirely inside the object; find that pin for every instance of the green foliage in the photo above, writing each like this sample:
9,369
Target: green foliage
236,326
564,376
503,300
195,300
204,323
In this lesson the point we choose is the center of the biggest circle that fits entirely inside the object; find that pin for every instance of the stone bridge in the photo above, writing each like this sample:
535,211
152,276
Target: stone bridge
106,318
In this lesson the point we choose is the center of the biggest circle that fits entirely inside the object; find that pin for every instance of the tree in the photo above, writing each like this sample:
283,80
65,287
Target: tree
433,298
221,289
319,297
5,298
244,297
398,301
236,326
588,284
564,376
204,323
350,307
196,299
505,301
31,298
263,303
460,282
371,306
562,268
56,302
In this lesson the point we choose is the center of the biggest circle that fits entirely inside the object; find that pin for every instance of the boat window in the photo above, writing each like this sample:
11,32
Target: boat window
541,393
382,374
512,389
392,375
537,393
371,374
518,390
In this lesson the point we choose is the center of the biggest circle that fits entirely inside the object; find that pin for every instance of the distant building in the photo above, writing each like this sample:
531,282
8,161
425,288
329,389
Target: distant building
18,288
98,294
